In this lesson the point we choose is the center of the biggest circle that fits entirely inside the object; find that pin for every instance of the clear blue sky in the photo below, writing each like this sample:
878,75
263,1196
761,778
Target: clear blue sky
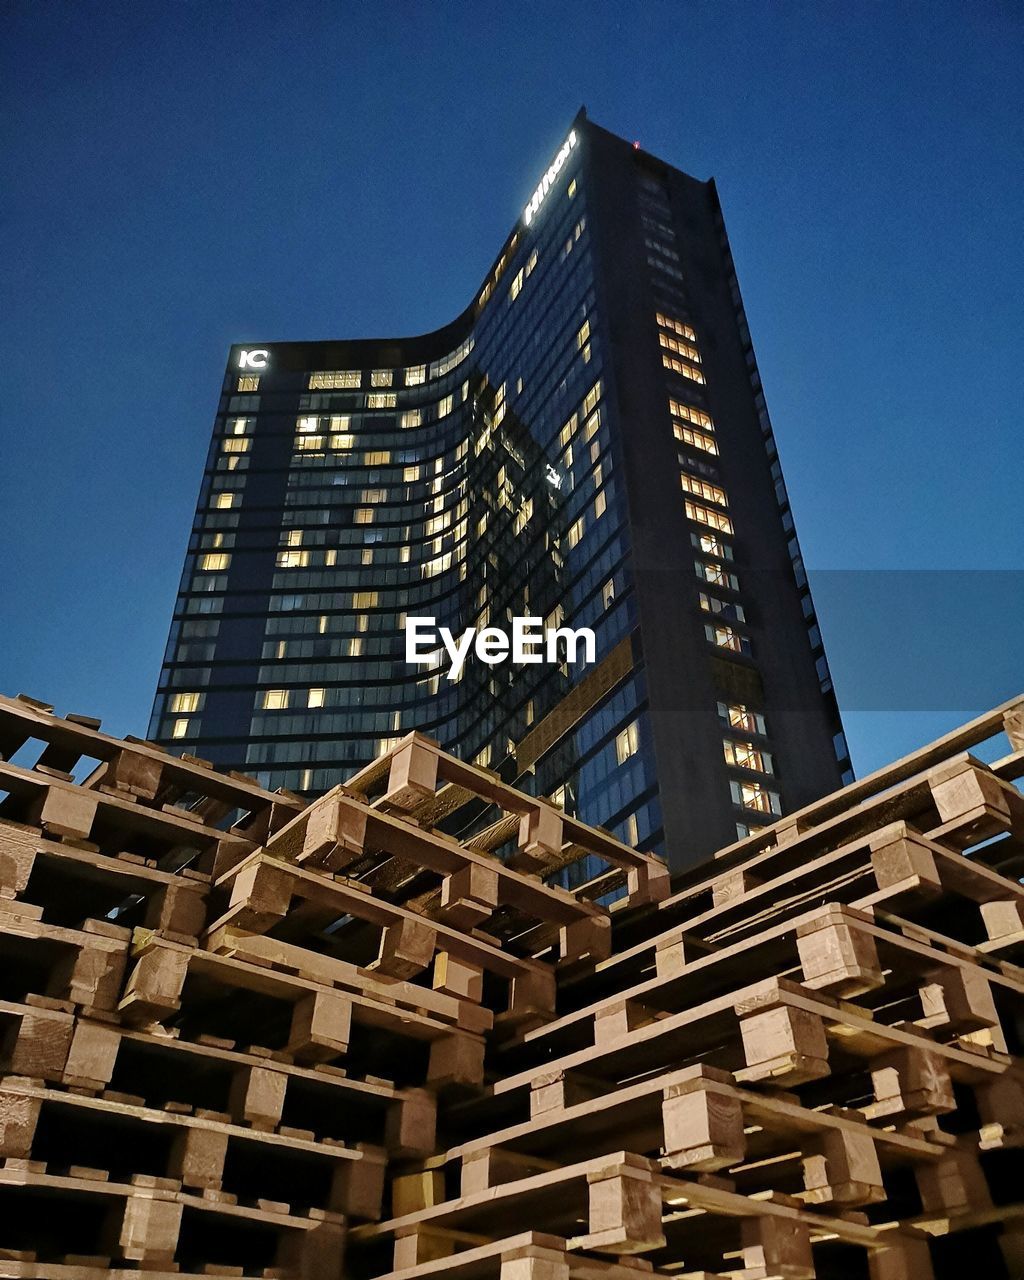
181,176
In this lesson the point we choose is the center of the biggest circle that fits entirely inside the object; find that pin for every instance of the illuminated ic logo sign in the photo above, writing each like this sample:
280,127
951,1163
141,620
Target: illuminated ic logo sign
256,359
546,182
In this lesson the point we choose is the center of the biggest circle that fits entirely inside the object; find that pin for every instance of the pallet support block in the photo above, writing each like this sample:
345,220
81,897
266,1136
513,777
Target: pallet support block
842,1168
901,861
357,1186
413,776
837,957
18,1116
406,949
257,1096
455,977
703,1128
781,1042
912,1081
469,896
317,1253
155,983
456,1059
533,1262
321,1026
625,1208
37,1044
411,1125
197,1158
17,857
777,1247
903,1257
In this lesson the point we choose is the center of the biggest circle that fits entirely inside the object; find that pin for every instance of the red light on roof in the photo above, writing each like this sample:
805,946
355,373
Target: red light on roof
636,146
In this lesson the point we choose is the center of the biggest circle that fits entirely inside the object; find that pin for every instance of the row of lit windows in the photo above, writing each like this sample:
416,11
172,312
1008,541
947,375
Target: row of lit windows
677,326
704,515
680,348
412,376
702,489
680,367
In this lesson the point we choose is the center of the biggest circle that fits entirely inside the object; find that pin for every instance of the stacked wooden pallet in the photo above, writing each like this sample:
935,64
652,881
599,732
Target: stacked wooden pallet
381,1035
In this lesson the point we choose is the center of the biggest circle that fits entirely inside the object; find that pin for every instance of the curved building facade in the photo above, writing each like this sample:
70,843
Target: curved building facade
586,444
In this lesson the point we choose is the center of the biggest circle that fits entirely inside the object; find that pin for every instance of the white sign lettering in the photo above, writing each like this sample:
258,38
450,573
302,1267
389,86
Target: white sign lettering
256,359
529,642
549,178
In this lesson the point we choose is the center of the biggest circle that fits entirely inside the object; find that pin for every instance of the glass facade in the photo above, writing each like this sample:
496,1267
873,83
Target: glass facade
478,474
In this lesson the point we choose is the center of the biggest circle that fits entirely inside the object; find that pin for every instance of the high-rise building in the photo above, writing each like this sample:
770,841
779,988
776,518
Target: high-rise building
587,444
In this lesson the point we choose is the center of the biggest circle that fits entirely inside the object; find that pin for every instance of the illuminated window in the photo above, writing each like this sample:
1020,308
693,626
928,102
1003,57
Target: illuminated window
591,399
600,505
185,703
697,416
572,188
179,729
627,742
717,575
343,440
275,699
292,559
516,285
381,400
752,795
413,418
335,380
631,833
364,515
608,593
711,545
726,638
416,375
381,378
738,716
445,406
704,515
308,424
238,426
483,757
410,473
744,756
248,382
364,600
575,532
309,444
697,439
214,561
236,444
225,501
677,326
378,458
701,488
678,366
583,334
315,698
565,435
531,262
727,608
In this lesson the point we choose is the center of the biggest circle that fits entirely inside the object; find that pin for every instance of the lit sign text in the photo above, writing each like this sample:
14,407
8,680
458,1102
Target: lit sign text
549,178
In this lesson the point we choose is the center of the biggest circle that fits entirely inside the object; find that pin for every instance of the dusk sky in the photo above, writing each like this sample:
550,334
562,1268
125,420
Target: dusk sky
178,177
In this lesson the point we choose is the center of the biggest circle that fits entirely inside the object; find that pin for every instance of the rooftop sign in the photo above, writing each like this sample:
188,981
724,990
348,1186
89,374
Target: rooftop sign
548,180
